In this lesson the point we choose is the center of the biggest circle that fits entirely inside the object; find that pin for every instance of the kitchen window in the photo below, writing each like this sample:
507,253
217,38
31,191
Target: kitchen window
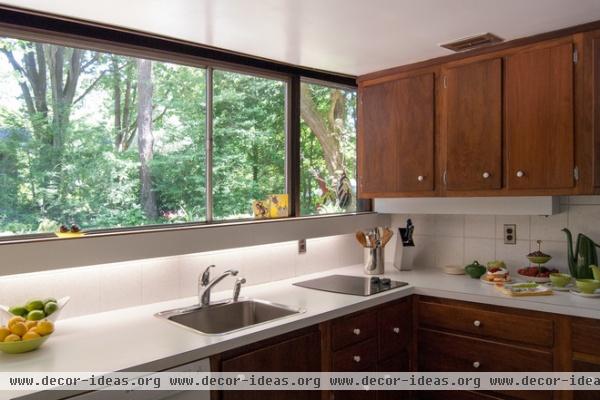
108,138
328,149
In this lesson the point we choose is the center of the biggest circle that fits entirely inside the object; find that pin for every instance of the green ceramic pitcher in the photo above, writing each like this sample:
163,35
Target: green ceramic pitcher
582,256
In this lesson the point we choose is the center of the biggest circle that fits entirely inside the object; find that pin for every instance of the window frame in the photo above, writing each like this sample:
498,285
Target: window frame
35,26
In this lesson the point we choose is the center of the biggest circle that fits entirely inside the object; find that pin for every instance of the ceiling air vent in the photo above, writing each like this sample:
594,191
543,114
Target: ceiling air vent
472,42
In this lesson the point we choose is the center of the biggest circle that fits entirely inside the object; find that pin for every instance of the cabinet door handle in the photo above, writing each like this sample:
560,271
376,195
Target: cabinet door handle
356,359
420,178
477,323
476,364
486,175
356,331
396,330
520,174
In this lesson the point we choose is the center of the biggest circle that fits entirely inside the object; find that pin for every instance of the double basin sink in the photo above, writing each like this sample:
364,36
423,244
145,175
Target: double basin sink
226,317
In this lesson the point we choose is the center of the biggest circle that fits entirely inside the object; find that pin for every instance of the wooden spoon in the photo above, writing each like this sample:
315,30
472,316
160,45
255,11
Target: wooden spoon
360,236
387,235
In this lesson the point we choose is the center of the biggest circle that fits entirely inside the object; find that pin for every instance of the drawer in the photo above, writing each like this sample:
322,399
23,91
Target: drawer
446,352
490,324
359,357
395,331
586,336
353,329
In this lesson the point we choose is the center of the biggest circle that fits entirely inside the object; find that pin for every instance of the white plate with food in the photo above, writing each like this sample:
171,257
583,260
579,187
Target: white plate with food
492,279
577,292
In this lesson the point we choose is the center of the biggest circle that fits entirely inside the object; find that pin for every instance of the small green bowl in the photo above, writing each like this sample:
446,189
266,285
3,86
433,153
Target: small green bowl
22,346
539,259
588,286
560,280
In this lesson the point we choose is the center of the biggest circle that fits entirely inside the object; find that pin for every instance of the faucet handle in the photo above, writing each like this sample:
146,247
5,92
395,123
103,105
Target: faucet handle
205,278
237,288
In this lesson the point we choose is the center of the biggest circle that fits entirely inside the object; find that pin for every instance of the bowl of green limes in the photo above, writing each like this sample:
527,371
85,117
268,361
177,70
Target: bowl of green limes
35,309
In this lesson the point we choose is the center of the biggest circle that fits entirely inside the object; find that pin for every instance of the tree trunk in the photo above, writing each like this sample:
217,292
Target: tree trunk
145,138
327,137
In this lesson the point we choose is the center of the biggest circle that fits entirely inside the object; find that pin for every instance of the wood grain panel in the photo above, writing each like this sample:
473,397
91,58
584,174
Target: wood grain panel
490,324
396,142
299,354
473,134
539,118
353,329
358,357
395,328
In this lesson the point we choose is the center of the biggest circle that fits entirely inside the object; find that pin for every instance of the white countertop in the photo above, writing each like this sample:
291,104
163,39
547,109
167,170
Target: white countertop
133,339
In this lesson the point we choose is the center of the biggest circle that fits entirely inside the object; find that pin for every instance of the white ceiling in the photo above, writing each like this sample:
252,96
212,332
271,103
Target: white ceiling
345,36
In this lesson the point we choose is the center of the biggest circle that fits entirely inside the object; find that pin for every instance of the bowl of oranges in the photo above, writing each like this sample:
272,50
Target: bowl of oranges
20,335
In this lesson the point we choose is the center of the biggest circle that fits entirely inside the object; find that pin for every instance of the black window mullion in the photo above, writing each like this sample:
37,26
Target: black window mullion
293,145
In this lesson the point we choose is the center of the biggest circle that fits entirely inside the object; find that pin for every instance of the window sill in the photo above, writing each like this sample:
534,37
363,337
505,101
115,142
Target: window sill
45,252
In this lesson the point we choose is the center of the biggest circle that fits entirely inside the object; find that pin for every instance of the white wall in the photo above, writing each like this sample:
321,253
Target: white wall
106,287
460,239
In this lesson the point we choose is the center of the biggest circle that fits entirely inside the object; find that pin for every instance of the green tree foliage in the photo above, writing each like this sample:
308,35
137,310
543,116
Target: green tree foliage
69,153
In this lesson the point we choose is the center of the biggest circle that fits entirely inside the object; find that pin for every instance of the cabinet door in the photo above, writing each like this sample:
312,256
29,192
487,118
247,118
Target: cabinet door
299,354
539,118
396,142
473,96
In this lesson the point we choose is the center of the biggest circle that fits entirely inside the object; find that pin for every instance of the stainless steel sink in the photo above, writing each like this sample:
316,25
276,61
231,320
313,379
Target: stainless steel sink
226,317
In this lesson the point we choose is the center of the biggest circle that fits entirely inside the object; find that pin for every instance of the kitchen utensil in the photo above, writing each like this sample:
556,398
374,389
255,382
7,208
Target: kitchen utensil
361,238
560,280
386,236
538,257
588,286
475,270
582,256
22,346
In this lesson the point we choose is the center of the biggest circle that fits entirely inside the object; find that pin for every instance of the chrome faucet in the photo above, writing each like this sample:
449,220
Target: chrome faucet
237,288
205,285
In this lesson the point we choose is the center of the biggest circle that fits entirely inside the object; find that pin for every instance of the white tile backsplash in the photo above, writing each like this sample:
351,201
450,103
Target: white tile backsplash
111,286
439,238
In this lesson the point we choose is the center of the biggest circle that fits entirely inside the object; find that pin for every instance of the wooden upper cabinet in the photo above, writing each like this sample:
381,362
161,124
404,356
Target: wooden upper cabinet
539,118
473,126
396,139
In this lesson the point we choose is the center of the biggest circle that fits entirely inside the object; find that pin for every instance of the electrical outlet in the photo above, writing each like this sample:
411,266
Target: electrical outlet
510,234
301,246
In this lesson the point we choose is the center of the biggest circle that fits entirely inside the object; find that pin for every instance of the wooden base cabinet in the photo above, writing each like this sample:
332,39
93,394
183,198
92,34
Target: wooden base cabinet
378,339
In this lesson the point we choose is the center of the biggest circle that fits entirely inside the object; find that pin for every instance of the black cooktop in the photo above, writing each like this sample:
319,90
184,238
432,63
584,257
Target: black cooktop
355,285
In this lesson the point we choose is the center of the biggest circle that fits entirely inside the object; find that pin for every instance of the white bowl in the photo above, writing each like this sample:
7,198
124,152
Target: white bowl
5,315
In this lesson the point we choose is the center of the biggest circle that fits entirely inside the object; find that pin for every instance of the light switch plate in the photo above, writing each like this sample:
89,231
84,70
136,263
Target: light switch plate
510,234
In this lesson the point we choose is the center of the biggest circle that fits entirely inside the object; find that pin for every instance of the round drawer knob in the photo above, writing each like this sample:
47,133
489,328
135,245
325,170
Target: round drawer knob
396,330
476,364
477,323
356,359
356,331
520,174
486,175
420,178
